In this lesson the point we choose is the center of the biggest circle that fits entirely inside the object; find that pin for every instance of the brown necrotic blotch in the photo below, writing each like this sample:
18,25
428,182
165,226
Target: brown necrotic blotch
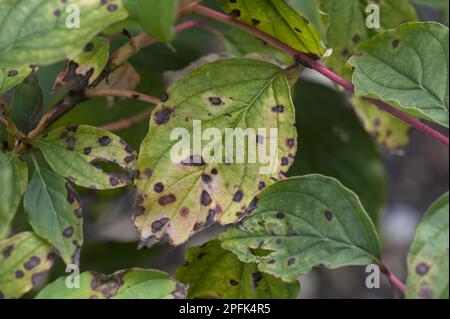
167,199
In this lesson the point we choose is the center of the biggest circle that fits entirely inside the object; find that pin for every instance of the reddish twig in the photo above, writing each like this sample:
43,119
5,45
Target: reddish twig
121,93
394,281
313,64
128,122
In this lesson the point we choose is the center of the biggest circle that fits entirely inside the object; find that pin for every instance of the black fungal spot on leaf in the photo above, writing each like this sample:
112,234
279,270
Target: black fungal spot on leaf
19,274
70,142
290,143
104,141
165,97
280,215
31,263
12,73
261,185
158,187
422,269
206,178
163,115
148,172
284,161
328,215
215,101
159,224
88,47
113,181
205,199
87,150
233,282
214,171
257,277
184,211
395,43
235,13
290,261
68,232
36,278
6,252
278,109
238,196
255,22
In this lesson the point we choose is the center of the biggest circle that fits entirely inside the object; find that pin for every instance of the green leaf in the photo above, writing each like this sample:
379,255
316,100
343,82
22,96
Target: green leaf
240,44
433,3
13,183
54,211
428,257
407,68
10,77
386,128
156,17
212,272
179,198
347,27
303,222
27,104
133,283
309,9
279,20
334,144
24,259
76,153
48,30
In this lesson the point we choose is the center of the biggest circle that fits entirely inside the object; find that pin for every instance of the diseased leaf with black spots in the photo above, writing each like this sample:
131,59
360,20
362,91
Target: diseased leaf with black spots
303,222
83,69
213,272
428,265
52,30
13,183
179,197
407,68
387,129
76,152
11,76
24,260
279,20
54,211
132,283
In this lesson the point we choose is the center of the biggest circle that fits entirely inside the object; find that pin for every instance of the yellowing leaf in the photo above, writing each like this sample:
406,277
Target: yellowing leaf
24,260
177,198
124,284
279,20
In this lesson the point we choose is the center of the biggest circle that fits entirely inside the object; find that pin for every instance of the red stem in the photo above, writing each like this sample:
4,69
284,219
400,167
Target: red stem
310,62
397,283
